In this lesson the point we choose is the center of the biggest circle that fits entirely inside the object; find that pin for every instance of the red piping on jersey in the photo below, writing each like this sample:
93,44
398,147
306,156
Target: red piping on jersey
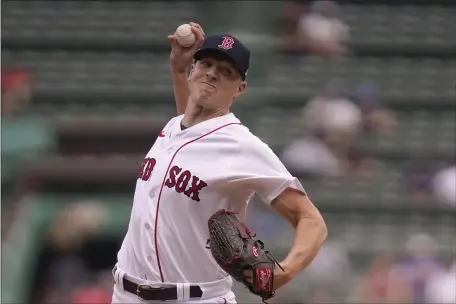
163,183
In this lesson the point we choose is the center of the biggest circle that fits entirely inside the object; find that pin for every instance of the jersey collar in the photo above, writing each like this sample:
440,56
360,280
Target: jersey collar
204,126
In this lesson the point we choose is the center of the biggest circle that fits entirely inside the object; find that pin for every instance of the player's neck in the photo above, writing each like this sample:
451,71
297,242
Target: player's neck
196,114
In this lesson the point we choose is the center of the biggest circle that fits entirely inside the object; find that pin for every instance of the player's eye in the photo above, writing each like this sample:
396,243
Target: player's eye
205,64
226,71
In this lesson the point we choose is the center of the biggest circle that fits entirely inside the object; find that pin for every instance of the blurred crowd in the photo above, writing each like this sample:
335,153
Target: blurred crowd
335,121
421,276
62,255
334,124
314,28
16,91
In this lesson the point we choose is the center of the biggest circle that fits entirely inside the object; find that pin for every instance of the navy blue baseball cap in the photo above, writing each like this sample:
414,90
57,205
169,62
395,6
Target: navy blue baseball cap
228,46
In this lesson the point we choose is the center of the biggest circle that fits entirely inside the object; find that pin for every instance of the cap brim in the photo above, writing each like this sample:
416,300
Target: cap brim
217,53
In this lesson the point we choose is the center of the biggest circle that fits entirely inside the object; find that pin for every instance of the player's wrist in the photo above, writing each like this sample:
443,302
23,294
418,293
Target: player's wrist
282,275
178,69
291,270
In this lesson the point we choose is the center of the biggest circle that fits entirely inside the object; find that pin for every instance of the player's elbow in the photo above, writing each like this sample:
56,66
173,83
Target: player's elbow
322,230
319,229
319,225
314,221
311,234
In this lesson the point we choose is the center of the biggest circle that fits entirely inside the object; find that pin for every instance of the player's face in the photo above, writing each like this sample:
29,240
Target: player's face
215,83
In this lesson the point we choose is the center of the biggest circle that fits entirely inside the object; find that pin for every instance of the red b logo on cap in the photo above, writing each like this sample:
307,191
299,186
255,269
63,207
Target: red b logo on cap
227,43
255,252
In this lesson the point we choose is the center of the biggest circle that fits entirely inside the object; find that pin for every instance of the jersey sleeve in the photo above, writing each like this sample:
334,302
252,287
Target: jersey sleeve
256,168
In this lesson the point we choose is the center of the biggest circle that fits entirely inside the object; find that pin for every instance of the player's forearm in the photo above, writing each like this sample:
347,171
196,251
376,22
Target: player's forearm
310,233
181,90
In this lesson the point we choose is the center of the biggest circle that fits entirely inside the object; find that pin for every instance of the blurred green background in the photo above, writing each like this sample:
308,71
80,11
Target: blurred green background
369,129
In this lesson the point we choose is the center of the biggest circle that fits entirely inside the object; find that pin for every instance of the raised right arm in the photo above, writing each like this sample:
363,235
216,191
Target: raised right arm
180,60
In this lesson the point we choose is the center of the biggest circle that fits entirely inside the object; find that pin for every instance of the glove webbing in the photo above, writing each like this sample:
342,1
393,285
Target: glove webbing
222,237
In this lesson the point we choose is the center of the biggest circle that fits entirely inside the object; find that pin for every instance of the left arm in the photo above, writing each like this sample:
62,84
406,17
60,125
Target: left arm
256,168
310,233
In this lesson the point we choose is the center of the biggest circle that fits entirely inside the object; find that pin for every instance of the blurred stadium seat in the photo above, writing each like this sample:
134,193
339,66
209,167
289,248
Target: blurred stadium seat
410,25
94,23
399,78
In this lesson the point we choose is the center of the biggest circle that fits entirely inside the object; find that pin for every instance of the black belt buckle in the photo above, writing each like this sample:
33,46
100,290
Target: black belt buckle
146,287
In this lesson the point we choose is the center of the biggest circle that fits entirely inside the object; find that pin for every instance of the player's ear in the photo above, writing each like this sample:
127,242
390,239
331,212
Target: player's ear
191,70
240,89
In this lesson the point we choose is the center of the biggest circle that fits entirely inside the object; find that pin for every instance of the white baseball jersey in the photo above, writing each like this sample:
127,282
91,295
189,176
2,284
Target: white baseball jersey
186,177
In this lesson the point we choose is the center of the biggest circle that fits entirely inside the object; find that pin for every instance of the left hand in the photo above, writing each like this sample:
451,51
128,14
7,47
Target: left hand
280,277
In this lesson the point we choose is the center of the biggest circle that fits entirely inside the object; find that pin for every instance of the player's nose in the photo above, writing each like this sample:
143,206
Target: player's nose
211,74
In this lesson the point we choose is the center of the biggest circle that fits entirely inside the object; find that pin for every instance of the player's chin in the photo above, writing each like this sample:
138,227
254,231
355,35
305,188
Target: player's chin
204,99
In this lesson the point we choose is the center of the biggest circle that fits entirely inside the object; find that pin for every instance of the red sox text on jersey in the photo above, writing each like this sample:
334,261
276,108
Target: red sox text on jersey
183,181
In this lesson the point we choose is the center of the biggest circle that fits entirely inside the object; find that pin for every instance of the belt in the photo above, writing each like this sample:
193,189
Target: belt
149,293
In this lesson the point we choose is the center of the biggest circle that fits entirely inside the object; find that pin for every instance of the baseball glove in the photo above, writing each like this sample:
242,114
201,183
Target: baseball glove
235,249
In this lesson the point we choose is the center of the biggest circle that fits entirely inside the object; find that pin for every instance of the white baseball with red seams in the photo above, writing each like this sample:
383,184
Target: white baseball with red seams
187,176
185,36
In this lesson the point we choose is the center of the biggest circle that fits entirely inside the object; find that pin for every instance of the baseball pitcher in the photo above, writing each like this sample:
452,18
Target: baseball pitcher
186,240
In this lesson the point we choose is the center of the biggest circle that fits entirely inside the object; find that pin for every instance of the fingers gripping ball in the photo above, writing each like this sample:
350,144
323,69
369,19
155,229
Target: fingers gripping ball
185,36
234,248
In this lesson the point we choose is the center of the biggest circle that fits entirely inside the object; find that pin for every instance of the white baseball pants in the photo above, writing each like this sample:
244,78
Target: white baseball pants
218,293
